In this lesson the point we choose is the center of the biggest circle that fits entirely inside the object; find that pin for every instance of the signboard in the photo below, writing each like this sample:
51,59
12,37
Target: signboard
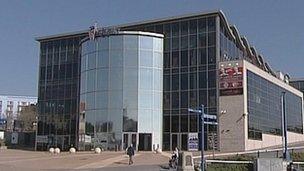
42,139
87,139
193,141
1,135
231,80
14,138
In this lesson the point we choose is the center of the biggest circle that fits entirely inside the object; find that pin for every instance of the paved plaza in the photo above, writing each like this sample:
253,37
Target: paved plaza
19,160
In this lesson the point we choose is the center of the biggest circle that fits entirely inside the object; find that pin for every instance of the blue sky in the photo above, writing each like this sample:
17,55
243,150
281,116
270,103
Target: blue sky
274,27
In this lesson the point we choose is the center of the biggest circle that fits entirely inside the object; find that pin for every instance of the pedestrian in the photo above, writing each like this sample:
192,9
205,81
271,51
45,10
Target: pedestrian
130,153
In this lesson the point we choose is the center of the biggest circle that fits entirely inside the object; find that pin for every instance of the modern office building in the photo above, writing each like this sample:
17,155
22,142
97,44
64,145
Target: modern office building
121,91
193,46
11,105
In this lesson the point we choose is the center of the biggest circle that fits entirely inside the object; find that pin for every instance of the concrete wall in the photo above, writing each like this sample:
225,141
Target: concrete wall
272,140
231,124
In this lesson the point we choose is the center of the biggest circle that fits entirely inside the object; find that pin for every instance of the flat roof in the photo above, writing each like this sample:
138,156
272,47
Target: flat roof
42,38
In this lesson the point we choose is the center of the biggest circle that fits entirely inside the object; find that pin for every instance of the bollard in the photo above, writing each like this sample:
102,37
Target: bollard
52,150
57,150
72,150
158,151
97,150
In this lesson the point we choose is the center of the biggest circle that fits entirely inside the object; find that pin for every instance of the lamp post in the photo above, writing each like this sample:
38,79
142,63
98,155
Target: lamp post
202,138
36,131
284,127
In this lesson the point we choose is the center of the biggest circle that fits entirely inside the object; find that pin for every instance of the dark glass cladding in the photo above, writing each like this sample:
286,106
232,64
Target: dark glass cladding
264,108
58,92
229,49
189,75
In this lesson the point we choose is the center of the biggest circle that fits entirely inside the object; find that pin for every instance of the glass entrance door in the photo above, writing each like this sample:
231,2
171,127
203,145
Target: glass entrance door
128,139
145,142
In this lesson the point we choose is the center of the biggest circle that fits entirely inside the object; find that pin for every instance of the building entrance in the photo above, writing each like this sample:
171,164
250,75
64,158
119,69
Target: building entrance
128,139
145,142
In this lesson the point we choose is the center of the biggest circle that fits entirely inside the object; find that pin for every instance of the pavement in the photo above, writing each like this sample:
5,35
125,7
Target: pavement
19,160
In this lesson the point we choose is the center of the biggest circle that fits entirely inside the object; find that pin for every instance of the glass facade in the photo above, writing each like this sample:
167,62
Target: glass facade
58,92
264,108
189,76
189,79
121,90
229,49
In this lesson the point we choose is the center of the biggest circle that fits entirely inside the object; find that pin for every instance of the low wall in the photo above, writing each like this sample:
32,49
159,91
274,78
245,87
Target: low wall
272,140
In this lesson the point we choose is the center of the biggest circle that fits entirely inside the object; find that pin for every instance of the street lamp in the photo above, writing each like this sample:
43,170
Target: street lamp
36,131
286,155
202,117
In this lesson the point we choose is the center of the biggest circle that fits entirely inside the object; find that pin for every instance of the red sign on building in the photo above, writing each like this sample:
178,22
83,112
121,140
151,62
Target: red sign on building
231,81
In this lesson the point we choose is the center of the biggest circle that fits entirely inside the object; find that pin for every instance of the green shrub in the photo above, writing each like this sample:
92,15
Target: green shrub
297,156
229,167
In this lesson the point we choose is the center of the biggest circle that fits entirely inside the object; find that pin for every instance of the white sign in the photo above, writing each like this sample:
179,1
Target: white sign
41,139
14,138
1,135
193,141
87,139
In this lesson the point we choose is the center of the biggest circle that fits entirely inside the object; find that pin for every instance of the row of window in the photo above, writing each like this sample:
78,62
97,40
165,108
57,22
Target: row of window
59,72
189,42
264,107
59,107
193,57
189,81
185,99
173,29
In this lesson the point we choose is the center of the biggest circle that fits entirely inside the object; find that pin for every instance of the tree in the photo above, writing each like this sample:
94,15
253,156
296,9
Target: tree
27,118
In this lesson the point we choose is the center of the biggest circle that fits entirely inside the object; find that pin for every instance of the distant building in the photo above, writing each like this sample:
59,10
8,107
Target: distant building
297,83
11,105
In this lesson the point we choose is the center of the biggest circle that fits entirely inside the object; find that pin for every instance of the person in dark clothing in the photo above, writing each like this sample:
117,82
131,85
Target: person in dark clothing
130,153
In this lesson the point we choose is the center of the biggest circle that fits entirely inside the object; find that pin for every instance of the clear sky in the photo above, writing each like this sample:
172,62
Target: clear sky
274,27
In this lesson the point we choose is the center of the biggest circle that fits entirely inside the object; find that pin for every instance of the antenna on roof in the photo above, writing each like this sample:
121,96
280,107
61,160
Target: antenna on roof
93,31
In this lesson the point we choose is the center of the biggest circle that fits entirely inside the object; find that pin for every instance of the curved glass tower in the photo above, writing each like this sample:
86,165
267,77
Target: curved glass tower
121,91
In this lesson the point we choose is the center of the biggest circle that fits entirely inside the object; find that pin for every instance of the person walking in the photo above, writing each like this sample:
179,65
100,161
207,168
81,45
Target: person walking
130,153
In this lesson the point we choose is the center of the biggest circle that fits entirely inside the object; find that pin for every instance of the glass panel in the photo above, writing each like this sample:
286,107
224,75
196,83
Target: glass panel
146,58
102,79
146,43
175,29
145,77
184,28
175,59
184,123
193,123
175,123
91,78
193,26
184,99
103,58
202,25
